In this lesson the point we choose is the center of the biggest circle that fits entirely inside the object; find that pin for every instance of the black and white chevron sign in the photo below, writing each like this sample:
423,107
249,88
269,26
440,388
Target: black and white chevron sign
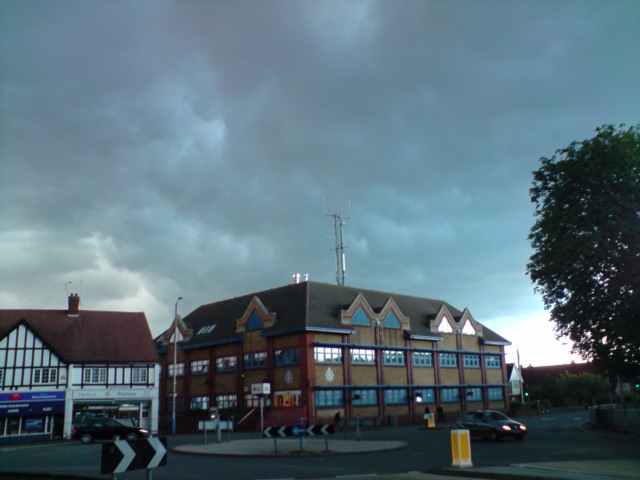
286,431
121,456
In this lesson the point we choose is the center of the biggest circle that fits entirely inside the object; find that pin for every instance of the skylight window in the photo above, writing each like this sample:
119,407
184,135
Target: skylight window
206,329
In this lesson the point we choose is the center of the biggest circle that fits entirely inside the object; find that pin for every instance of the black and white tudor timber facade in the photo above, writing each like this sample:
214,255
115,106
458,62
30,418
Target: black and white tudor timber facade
58,364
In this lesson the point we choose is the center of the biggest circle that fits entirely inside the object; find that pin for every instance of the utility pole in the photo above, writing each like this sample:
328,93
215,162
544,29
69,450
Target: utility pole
338,223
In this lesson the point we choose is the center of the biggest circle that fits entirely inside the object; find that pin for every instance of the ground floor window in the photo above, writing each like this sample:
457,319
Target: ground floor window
450,395
226,401
287,398
395,396
199,403
424,395
495,393
253,401
473,394
365,397
329,398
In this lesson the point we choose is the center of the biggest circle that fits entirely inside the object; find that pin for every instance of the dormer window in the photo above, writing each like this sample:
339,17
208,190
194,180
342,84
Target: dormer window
468,328
444,326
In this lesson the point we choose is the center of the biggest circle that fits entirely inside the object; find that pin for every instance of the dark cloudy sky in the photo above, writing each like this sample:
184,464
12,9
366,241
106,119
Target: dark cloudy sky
156,149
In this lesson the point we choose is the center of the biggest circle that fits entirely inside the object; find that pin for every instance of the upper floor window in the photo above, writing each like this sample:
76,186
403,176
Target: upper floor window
422,359
179,368
139,375
199,367
363,356
95,375
255,360
287,356
471,361
226,364
1,377
492,361
393,357
44,375
448,360
327,355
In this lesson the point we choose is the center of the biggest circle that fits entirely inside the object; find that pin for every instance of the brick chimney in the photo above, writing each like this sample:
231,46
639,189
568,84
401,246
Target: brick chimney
74,304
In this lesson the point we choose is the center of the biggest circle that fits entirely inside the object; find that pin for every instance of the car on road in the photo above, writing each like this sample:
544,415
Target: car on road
491,424
89,429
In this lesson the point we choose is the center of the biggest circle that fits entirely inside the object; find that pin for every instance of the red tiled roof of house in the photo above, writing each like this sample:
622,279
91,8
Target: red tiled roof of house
90,336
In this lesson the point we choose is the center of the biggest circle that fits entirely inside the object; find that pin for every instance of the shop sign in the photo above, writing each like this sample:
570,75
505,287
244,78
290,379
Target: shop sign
105,394
31,403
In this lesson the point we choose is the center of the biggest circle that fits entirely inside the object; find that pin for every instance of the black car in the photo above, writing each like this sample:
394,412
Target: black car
491,424
89,429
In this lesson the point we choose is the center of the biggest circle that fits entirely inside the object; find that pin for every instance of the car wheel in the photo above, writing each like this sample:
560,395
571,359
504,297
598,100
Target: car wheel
86,438
131,437
493,435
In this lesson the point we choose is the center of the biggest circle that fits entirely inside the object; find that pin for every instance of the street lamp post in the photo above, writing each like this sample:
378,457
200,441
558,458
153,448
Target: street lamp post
175,359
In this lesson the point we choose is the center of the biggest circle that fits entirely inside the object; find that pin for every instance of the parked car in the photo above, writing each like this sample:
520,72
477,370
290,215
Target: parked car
491,424
89,429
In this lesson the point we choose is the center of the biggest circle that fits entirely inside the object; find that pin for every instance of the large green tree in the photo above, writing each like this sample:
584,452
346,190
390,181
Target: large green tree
586,241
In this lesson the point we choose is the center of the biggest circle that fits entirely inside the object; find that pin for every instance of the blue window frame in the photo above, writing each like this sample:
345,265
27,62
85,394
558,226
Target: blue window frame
422,359
448,359
471,361
492,361
393,357
327,354
427,395
329,398
287,356
448,395
364,397
363,356
473,394
255,360
395,396
495,393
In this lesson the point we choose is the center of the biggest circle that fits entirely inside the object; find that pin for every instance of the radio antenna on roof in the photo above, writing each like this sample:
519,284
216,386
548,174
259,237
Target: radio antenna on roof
340,258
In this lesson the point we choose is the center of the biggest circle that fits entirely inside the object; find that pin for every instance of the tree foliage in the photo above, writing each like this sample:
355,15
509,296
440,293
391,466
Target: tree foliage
586,241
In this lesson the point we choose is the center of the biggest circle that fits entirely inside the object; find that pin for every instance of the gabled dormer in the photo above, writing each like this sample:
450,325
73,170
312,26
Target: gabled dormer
184,332
255,317
468,325
359,313
391,316
443,321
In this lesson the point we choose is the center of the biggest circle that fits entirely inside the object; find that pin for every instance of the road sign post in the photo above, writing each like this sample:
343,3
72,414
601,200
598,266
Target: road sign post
121,456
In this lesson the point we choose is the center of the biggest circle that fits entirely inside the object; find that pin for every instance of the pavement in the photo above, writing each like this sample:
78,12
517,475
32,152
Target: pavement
582,470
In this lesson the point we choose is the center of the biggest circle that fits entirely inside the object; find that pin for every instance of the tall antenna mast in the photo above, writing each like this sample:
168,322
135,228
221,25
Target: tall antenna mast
338,223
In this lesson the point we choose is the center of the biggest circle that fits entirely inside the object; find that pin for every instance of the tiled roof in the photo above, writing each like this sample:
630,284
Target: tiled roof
91,336
309,306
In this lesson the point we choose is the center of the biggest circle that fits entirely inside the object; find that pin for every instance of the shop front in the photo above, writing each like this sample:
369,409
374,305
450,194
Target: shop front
132,407
31,416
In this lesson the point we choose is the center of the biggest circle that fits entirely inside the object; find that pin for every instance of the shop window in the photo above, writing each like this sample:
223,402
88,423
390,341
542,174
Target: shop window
364,397
471,361
139,375
327,355
45,375
492,361
448,359
287,356
95,375
329,398
255,360
199,367
226,364
363,356
422,359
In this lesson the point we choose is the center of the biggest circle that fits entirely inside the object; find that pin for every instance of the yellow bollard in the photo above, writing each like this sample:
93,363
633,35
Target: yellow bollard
461,448
430,420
